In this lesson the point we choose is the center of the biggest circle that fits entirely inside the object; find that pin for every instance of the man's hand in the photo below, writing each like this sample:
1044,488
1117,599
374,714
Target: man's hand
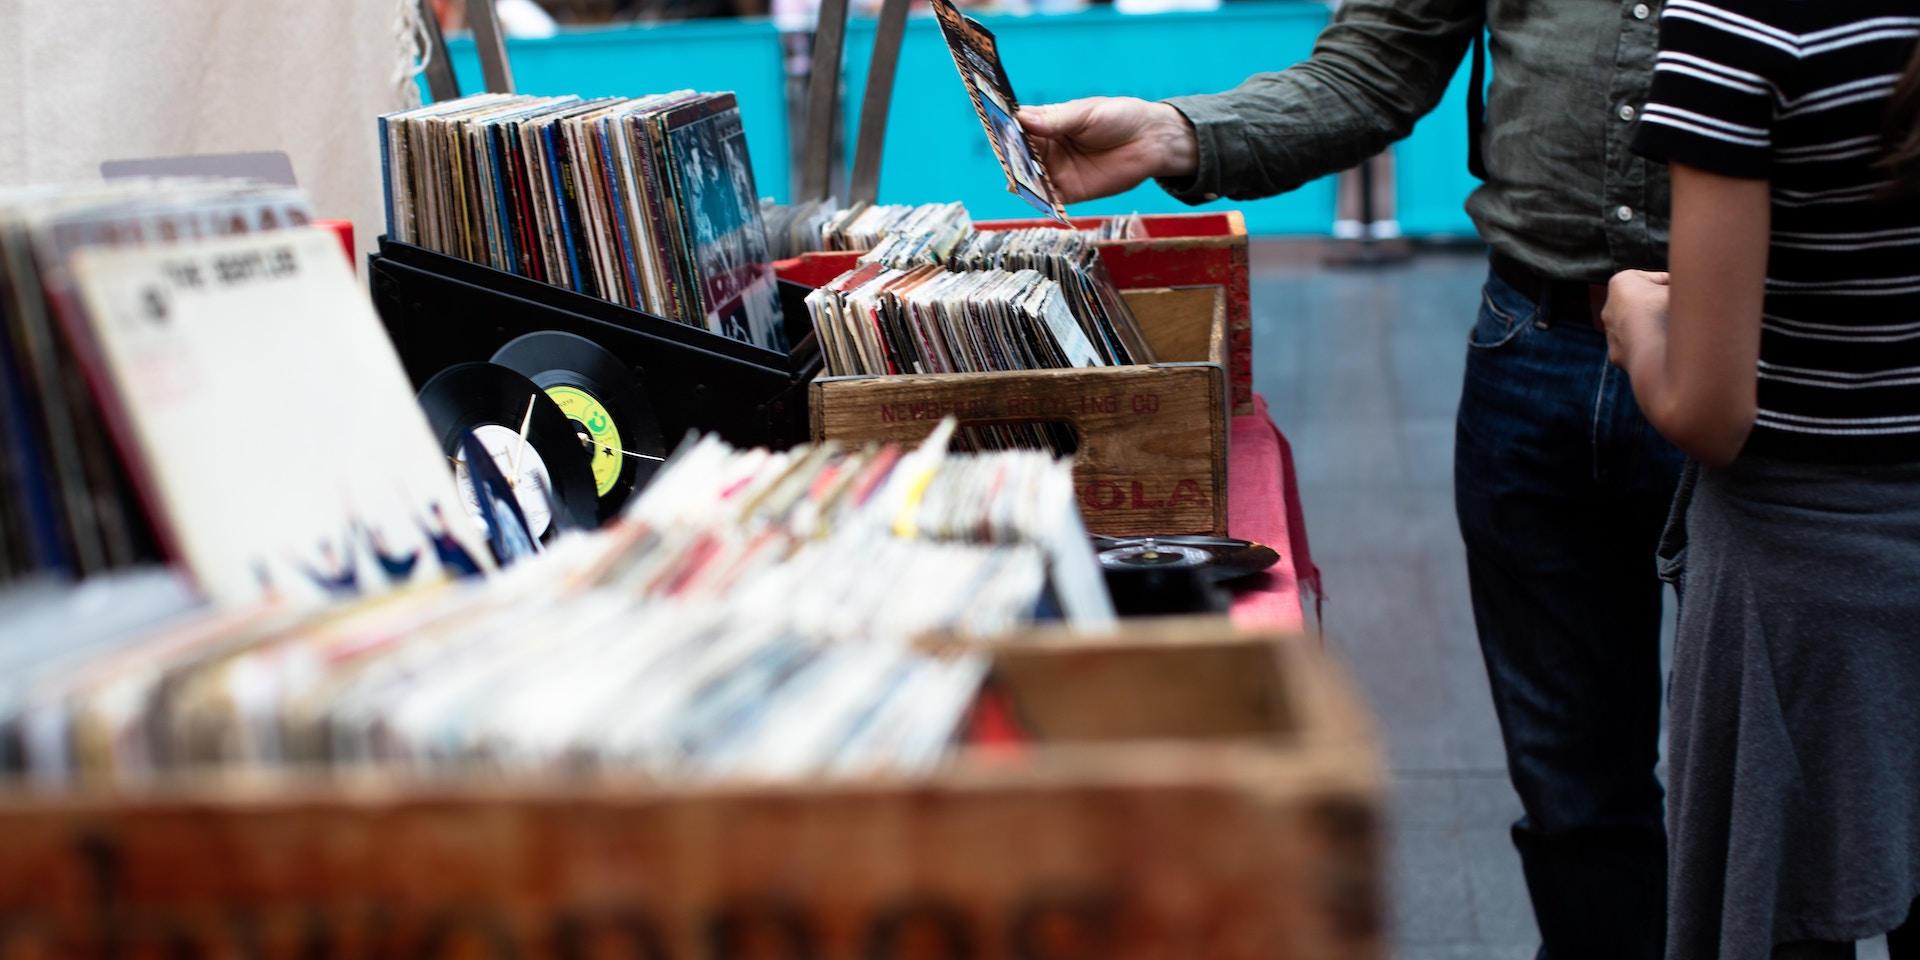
1100,146
1635,315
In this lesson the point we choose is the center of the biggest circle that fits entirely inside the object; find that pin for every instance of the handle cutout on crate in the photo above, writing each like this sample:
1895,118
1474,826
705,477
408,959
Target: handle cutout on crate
1060,436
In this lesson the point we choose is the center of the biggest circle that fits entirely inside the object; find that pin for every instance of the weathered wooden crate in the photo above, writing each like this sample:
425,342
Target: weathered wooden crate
1182,792
1180,249
1152,454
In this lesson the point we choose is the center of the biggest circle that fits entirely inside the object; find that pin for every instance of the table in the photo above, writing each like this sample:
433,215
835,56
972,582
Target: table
1263,505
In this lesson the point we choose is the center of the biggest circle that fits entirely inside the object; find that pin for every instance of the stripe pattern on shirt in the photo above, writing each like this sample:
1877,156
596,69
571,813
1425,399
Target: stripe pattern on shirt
1796,93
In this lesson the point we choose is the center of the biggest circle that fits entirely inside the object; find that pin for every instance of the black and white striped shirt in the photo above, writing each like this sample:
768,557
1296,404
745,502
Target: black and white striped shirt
1795,92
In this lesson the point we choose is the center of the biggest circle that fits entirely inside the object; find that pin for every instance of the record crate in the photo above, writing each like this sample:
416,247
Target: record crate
440,310
1177,790
1180,250
1152,438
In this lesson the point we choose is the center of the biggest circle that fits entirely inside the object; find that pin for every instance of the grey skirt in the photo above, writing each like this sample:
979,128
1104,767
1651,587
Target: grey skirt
1794,808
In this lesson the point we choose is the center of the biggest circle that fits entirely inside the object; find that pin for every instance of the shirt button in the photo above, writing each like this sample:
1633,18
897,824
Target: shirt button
1641,11
1624,213
1626,111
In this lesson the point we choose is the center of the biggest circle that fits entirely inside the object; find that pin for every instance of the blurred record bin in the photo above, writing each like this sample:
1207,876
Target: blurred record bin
1152,438
1179,250
1178,790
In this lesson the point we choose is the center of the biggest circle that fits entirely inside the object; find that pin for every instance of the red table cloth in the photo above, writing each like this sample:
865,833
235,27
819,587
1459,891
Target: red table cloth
1263,505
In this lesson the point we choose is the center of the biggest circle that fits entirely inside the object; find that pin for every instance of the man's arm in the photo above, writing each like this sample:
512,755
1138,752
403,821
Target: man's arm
1377,68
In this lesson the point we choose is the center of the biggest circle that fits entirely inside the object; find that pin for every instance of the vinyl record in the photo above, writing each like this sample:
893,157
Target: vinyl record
490,402
1222,558
1149,580
1154,555
604,400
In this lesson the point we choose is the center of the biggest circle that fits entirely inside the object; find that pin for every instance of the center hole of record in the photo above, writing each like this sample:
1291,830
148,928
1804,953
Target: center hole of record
530,479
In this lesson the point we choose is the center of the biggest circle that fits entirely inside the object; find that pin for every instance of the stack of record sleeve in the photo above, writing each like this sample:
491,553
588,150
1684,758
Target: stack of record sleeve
647,202
68,504
752,615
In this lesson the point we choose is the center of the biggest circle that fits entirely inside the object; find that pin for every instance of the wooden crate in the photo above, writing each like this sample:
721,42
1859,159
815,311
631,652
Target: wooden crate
1180,249
1185,793
1152,454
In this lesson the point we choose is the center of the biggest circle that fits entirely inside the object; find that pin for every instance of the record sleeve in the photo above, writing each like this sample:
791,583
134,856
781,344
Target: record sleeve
267,412
976,54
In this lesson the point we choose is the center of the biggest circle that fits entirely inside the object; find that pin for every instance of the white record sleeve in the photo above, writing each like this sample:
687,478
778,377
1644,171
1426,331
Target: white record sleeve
272,427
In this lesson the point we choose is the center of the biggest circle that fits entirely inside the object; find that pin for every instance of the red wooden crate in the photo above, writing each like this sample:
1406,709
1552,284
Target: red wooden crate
1180,250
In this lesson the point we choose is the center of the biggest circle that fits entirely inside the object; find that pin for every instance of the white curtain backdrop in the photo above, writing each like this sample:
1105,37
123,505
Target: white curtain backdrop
82,81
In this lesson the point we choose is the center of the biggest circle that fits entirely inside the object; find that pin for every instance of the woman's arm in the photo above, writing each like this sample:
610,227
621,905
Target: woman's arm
1691,345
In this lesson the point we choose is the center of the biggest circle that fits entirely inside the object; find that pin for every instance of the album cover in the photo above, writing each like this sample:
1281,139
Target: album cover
645,202
720,216
277,434
977,56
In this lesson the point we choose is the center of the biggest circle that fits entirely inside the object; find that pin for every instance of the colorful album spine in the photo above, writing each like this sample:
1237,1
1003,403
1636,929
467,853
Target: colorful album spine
480,161
663,293
588,168
503,209
646,283
619,212
665,216
517,189
463,194
553,269
386,179
562,195
486,216
510,219
586,281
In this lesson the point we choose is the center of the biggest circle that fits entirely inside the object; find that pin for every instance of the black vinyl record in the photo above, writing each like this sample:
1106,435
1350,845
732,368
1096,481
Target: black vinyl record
1221,558
491,401
604,400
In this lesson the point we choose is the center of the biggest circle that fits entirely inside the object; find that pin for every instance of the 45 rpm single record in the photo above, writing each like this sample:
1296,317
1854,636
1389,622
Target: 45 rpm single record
1153,555
490,401
604,400
1222,558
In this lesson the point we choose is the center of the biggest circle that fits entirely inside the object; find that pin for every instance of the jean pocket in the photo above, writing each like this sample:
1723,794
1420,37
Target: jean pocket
1496,325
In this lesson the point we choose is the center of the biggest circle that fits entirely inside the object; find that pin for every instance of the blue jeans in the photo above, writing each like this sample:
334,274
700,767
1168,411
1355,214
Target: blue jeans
1562,488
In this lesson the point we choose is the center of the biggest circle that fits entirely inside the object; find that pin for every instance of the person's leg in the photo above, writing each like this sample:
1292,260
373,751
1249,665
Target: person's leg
1903,942
1561,492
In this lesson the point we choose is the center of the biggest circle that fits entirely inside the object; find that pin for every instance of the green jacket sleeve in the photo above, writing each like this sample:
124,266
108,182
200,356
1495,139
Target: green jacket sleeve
1377,68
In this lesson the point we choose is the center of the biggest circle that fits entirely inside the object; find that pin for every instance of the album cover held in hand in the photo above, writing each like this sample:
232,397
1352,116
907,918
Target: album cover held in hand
977,57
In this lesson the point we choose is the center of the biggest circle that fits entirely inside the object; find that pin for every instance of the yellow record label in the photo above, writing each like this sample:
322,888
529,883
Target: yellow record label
581,406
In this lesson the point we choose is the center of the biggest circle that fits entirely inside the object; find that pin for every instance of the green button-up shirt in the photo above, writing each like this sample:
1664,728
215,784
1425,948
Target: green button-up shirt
1564,194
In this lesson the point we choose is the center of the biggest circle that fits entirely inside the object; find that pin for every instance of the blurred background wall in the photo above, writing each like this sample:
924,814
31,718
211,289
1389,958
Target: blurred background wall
93,80
935,150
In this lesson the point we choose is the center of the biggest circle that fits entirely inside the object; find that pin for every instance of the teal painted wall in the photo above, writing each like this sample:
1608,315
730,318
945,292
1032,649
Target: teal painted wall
1430,169
934,141
935,148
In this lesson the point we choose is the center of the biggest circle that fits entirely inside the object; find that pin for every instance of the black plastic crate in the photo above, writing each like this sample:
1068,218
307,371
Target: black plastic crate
442,310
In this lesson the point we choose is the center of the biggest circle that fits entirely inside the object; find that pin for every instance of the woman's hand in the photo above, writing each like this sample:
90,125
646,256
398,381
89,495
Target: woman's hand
1635,315
1100,146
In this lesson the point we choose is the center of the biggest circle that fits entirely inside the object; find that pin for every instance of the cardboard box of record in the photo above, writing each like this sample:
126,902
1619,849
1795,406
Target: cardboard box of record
1178,790
1180,249
1152,454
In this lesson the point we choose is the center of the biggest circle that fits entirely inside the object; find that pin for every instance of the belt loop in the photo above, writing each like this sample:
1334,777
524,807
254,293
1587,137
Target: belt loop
1543,306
